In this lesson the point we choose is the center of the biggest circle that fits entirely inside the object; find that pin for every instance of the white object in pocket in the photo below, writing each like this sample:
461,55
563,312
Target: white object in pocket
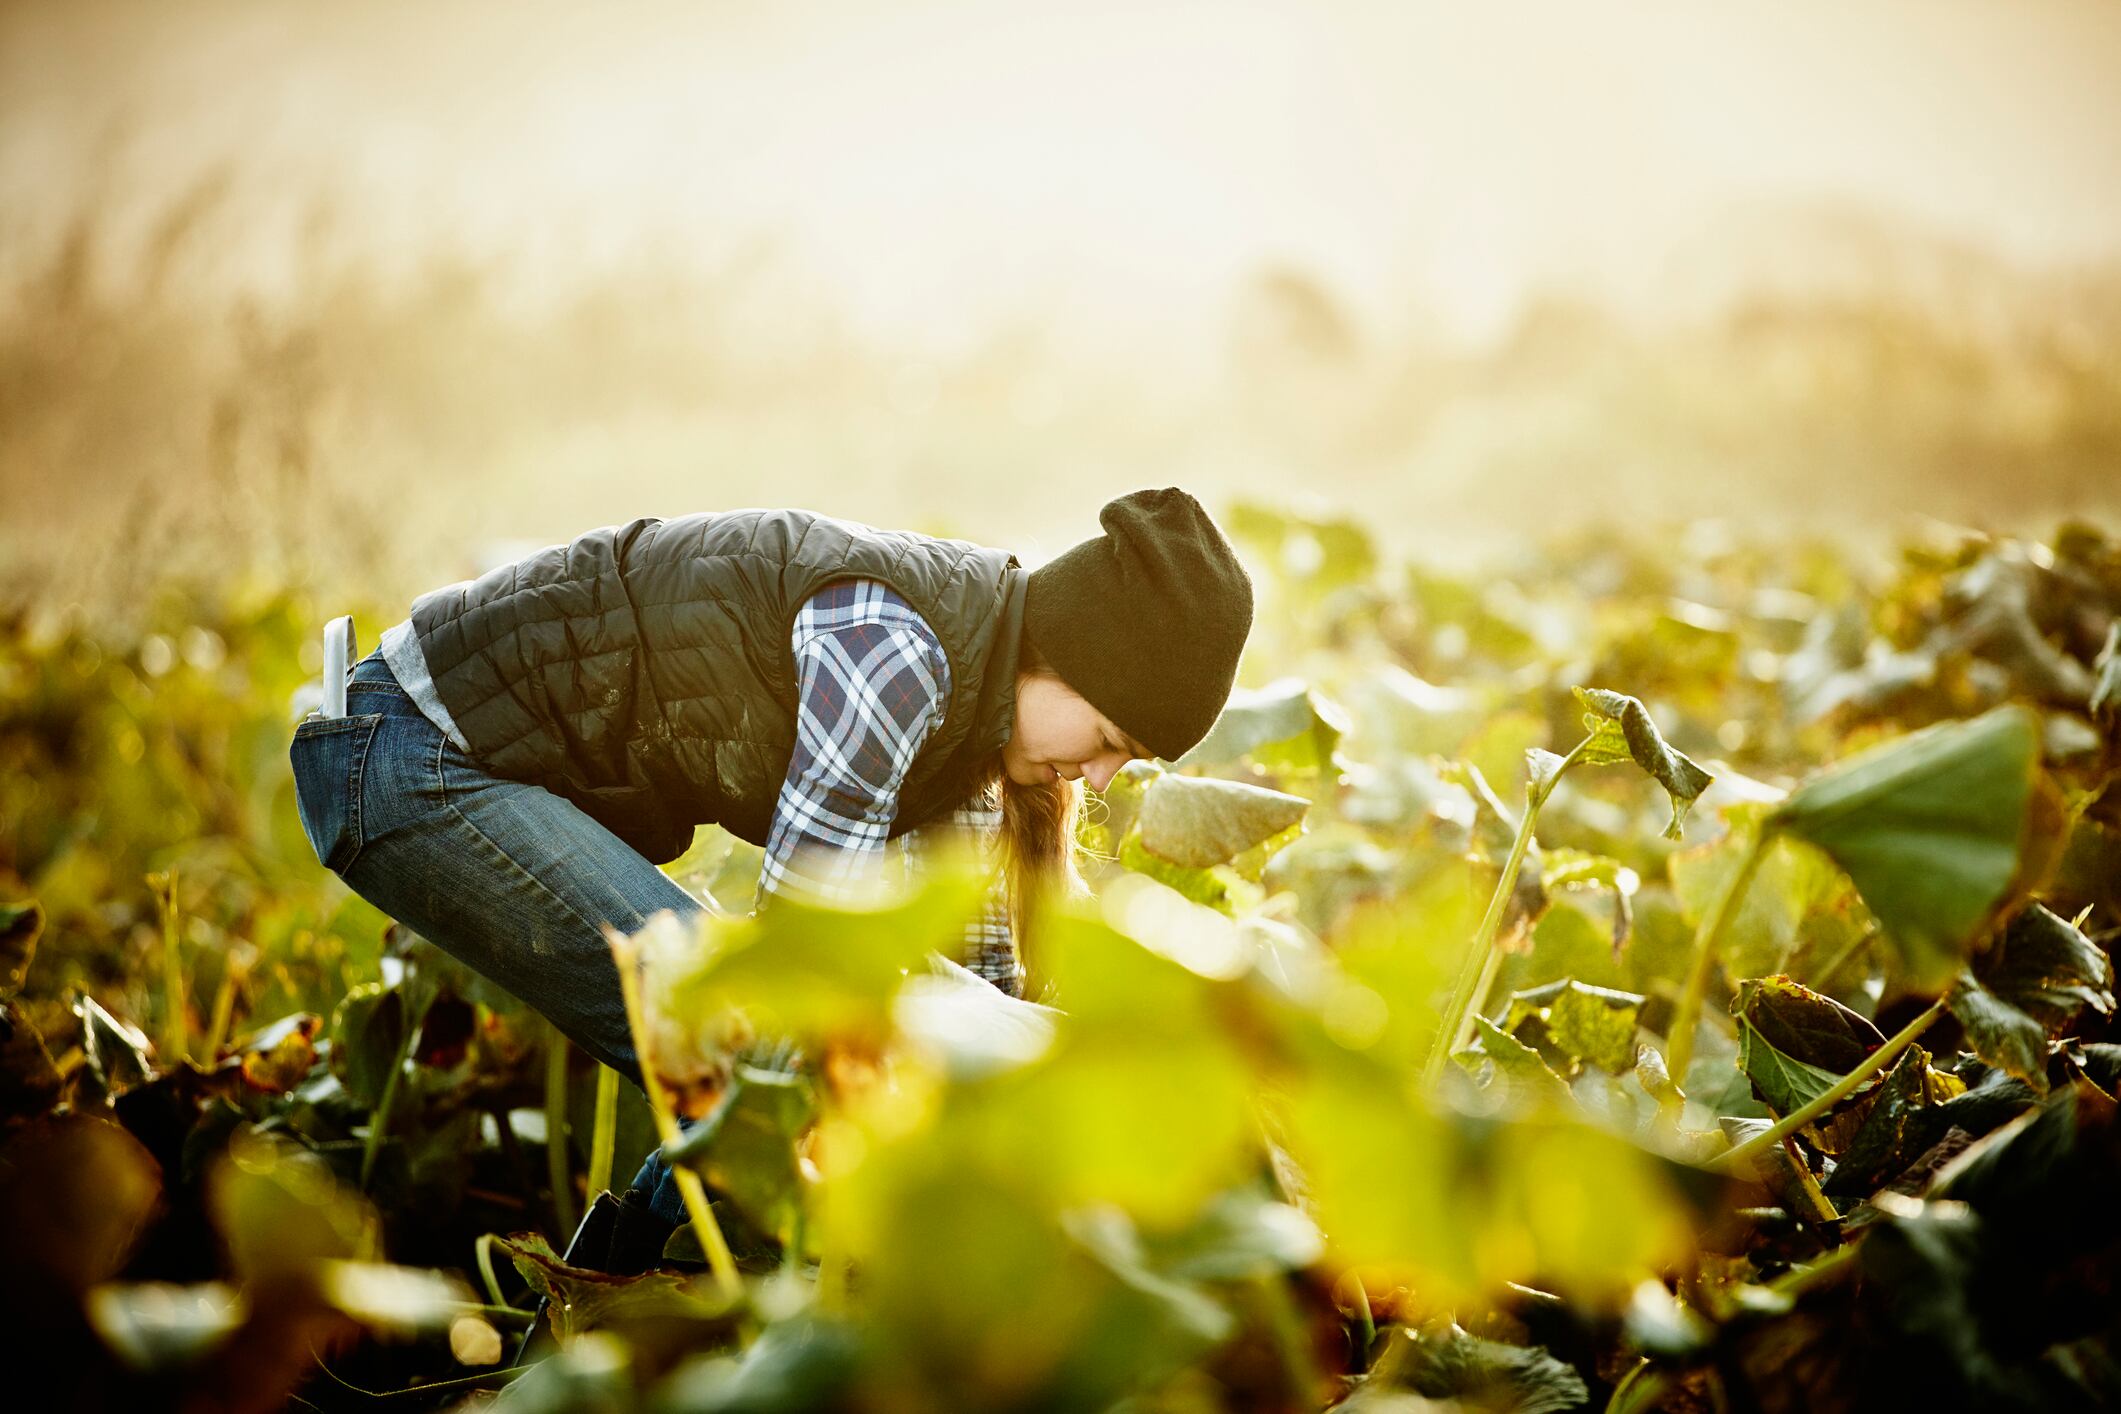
338,663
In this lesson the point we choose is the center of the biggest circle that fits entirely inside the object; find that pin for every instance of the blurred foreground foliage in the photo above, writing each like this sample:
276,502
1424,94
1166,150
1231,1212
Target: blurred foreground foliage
1665,972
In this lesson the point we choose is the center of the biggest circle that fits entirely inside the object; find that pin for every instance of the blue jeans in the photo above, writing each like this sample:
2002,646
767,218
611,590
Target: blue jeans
509,878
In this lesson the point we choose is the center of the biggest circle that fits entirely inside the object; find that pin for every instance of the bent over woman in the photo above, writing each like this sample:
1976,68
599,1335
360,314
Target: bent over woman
525,748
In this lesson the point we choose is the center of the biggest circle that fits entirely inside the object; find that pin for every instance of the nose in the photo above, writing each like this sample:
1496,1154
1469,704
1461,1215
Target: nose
1099,774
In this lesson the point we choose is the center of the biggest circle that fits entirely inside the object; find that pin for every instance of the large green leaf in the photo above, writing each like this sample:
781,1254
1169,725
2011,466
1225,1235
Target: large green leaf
1782,1083
1455,1207
1622,731
948,1232
1928,827
1197,822
1792,885
1120,1114
1805,1026
1209,886
812,970
1143,1097
1284,726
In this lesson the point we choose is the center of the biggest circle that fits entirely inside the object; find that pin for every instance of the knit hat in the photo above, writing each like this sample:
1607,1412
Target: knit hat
1147,620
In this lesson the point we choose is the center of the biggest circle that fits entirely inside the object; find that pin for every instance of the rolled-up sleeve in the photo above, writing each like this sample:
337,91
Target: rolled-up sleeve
872,683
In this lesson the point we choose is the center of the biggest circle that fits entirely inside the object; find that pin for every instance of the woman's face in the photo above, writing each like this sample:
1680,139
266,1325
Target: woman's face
1061,737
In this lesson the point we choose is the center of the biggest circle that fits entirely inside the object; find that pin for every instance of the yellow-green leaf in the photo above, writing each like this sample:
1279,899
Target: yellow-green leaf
1928,827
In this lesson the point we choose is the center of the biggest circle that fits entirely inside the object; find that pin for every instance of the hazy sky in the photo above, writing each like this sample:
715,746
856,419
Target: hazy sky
932,168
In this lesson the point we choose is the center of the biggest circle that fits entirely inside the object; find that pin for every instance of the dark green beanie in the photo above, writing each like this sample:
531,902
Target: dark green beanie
1146,621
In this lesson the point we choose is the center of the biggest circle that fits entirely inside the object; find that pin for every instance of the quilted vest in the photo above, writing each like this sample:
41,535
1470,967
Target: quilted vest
643,671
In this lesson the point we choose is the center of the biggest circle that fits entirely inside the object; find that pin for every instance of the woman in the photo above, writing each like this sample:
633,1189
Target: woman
524,748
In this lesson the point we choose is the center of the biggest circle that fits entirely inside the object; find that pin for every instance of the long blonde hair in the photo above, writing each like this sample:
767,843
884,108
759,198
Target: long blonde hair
1038,840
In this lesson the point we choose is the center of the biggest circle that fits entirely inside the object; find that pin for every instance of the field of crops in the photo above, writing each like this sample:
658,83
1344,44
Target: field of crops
1665,971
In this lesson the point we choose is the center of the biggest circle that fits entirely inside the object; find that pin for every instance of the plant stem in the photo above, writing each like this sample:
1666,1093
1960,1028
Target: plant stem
1679,1036
556,1167
1458,1016
704,1226
1837,1092
174,1038
380,1120
1627,1397
1365,1321
508,1372
482,1253
1481,988
604,1131
223,1013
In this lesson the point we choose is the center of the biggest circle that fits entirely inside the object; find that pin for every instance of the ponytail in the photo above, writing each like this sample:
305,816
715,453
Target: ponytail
1038,854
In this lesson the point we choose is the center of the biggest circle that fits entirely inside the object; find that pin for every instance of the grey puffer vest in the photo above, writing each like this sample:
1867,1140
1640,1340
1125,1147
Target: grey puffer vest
643,671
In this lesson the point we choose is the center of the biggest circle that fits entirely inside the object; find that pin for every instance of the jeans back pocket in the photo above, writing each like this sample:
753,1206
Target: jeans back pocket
327,754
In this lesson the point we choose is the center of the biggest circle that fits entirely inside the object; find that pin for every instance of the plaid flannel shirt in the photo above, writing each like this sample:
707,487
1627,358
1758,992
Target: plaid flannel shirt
872,684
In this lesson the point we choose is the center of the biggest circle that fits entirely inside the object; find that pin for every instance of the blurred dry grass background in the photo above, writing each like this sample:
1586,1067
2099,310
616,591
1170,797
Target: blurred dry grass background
379,426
